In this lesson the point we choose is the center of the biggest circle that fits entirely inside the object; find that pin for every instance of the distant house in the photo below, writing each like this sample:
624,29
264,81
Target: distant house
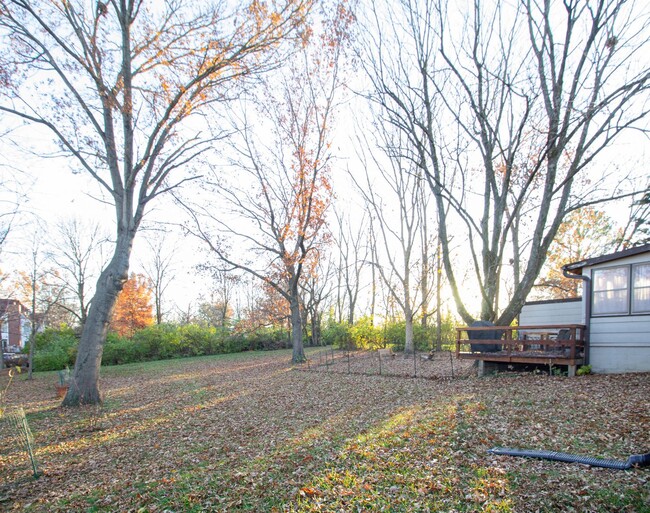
15,325
615,308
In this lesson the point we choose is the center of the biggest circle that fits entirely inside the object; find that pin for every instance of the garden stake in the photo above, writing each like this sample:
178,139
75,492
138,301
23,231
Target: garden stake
451,360
415,363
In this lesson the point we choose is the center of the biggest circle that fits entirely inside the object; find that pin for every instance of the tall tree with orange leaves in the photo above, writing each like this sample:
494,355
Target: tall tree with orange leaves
123,88
280,189
585,233
133,308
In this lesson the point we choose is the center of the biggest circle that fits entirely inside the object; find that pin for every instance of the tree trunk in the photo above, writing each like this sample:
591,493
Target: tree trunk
315,329
373,294
158,308
438,299
296,332
84,387
409,345
32,333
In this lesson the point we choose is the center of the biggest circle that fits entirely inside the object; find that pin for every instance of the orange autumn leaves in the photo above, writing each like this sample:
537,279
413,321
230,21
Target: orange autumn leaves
133,309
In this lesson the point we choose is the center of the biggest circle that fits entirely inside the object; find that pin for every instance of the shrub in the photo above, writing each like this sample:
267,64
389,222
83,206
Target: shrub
394,335
55,348
198,340
51,359
336,334
268,338
119,350
158,342
364,335
584,370
52,337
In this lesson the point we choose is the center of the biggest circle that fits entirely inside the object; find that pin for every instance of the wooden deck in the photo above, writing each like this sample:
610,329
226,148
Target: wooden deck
560,344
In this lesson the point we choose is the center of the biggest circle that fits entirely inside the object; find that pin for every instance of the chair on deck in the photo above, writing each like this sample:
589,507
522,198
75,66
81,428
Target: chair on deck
484,335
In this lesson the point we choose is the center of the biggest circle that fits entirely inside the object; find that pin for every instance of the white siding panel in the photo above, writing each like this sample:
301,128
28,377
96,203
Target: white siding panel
543,314
614,360
620,344
629,327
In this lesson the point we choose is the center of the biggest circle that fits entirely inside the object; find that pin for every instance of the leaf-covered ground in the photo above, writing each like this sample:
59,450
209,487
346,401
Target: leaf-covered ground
250,433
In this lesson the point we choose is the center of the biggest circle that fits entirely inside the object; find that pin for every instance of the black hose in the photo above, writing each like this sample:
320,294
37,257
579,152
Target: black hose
640,460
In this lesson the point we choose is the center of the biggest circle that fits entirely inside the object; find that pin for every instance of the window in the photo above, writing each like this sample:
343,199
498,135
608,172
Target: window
641,288
611,291
612,286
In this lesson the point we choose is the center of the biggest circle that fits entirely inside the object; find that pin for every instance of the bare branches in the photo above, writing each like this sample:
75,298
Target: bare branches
274,205
504,130
165,67
123,89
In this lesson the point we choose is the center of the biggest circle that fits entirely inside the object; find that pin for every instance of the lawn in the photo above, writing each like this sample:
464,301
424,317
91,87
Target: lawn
248,432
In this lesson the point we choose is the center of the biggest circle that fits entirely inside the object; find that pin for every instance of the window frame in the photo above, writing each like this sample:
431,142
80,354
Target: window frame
633,289
630,288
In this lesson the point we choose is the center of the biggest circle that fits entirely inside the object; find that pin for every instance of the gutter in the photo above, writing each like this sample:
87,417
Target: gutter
586,294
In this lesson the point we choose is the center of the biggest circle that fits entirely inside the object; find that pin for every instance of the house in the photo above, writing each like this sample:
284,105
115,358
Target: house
15,325
608,328
615,308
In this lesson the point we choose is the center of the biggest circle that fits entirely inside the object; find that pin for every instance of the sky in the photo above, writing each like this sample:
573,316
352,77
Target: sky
55,192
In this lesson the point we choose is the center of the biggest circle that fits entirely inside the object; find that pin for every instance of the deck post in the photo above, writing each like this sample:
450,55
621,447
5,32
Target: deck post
481,368
572,371
572,353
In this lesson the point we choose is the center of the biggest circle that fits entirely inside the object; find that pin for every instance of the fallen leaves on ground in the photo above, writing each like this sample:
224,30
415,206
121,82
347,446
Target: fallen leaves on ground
249,432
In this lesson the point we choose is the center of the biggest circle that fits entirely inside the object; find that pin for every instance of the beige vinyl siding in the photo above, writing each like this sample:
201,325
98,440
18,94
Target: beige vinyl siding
620,343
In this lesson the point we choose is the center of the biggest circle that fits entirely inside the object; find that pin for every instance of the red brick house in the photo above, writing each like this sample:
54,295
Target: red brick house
15,325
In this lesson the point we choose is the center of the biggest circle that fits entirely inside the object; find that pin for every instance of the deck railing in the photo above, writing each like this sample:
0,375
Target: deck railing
534,343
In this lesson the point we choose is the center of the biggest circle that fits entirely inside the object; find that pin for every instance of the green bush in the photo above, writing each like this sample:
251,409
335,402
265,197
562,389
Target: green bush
364,335
584,370
53,337
197,340
158,342
394,335
236,343
119,350
52,359
267,339
336,334
55,348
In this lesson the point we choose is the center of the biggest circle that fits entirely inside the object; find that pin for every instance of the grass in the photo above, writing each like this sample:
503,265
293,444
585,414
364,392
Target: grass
247,432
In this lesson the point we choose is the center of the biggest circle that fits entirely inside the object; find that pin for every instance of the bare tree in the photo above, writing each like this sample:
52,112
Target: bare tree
159,271
637,229
12,195
78,254
218,310
315,291
398,215
186,315
504,116
116,86
281,192
39,287
353,252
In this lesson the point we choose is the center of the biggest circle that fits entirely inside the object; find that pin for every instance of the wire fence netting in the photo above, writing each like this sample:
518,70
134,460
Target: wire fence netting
433,365
17,438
